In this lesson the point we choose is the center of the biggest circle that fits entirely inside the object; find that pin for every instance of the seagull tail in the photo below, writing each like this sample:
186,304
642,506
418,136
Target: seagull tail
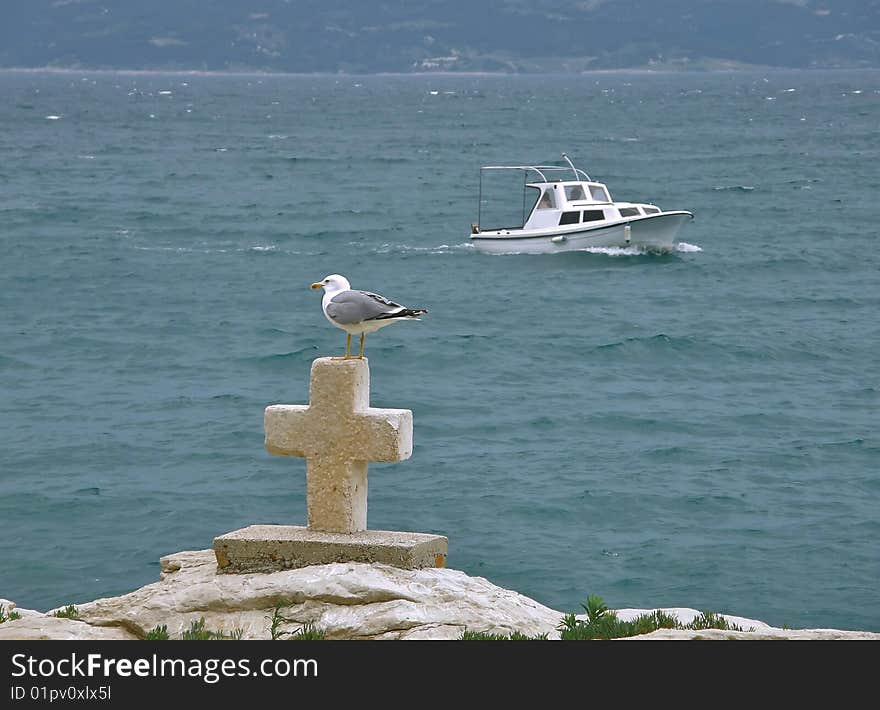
413,313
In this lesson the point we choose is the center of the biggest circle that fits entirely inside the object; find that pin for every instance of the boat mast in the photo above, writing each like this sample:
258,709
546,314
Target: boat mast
480,199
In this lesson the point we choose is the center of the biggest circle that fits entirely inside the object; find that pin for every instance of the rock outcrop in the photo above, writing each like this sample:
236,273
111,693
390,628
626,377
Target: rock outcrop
346,600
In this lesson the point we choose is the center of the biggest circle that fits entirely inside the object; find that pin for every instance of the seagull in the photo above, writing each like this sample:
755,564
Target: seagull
359,312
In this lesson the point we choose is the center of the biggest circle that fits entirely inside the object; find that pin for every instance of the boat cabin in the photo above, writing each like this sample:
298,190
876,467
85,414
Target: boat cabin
570,198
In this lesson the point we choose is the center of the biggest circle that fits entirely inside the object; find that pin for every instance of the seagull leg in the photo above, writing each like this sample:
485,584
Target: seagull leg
347,347
361,353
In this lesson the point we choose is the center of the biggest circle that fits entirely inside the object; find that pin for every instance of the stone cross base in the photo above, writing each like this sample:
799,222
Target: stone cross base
270,548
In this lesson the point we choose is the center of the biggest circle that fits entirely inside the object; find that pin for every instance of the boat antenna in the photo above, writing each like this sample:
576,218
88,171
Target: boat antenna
576,176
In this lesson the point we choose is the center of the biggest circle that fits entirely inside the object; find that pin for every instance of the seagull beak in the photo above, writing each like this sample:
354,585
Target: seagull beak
317,284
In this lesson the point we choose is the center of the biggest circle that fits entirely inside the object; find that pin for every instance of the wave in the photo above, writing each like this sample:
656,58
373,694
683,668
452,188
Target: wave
305,354
733,188
660,339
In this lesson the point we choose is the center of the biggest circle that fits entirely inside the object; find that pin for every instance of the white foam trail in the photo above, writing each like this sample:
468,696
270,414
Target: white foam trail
687,248
439,249
52,117
614,251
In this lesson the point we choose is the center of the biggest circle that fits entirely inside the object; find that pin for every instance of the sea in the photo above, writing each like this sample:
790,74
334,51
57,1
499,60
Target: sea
691,429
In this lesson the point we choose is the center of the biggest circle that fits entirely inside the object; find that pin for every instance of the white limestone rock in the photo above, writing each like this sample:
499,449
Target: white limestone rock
42,627
8,605
760,634
348,600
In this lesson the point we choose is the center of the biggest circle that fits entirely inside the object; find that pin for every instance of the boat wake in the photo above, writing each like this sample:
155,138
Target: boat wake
680,247
616,251
438,249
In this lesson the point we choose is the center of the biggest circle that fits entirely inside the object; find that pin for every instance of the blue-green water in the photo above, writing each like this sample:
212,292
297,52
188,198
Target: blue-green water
697,429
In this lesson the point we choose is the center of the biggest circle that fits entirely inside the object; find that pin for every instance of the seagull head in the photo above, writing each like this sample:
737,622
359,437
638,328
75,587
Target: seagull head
333,284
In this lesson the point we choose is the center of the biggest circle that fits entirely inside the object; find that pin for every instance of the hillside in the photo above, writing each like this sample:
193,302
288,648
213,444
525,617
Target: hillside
438,35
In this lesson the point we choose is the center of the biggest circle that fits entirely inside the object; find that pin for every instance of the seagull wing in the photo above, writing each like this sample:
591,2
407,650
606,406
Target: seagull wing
351,307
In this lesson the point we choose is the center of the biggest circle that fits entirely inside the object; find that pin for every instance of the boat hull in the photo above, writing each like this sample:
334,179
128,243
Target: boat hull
651,233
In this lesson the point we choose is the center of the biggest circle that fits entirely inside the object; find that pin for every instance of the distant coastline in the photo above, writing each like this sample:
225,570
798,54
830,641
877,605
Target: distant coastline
638,71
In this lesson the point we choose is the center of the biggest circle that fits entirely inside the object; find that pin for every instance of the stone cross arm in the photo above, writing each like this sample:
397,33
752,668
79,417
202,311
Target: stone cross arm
372,435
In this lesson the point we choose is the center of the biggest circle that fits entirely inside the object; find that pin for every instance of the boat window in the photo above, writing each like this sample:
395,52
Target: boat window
570,218
547,202
651,210
598,193
629,211
593,215
574,192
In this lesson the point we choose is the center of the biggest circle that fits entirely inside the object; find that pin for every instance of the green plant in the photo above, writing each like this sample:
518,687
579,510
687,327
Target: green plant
198,632
68,612
711,620
11,616
595,607
157,633
604,624
514,636
306,632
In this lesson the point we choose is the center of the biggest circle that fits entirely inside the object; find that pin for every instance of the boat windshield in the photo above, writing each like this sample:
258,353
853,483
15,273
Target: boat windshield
547,201
574,192
599,193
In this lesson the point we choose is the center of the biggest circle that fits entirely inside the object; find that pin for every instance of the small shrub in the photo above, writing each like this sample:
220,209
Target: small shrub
198,632
711,620
11,616
306,632
68,612
604,624
157,633
595,607
514,636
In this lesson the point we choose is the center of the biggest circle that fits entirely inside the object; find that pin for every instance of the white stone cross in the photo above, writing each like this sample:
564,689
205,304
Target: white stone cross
338,433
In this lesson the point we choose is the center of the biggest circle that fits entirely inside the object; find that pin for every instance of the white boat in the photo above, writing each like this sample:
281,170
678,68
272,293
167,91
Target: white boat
574,212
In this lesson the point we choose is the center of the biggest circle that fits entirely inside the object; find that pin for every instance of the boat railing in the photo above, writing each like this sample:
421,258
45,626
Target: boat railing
541,170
